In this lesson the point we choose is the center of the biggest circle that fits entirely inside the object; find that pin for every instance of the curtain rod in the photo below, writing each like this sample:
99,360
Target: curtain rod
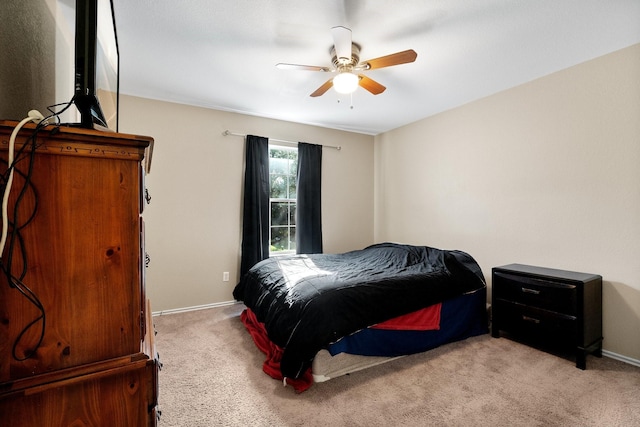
227,133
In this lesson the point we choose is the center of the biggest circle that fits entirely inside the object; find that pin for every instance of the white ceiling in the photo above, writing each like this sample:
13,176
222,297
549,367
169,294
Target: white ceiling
221,54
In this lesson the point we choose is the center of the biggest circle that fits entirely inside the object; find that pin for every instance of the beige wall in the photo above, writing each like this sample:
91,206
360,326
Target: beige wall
193,229
547,173
27,70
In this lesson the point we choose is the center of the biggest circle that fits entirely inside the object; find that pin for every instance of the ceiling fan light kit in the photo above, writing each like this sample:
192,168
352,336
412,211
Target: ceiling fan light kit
345,82
345,57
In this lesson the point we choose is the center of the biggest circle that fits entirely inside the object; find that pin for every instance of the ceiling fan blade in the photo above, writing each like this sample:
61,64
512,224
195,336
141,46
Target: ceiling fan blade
397,58
322,89
302,67
371,85
342,43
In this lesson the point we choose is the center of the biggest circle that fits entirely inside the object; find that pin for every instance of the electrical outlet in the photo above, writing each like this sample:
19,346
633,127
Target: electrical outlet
225,276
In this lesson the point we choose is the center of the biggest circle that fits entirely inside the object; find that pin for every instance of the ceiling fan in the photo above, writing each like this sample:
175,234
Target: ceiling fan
346,63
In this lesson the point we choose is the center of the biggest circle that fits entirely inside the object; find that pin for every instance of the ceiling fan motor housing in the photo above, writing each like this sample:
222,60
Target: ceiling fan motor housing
342,63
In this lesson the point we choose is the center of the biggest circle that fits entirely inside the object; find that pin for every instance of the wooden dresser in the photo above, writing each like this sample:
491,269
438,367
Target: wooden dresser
76,339
549,307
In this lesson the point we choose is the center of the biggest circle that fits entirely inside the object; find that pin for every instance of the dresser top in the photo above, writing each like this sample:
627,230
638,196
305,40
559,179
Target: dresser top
547,272
70,140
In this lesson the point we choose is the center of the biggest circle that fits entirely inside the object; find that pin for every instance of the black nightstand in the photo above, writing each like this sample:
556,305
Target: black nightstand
549,306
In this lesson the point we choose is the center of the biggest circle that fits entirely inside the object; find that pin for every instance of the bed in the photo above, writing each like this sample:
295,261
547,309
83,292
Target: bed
319,316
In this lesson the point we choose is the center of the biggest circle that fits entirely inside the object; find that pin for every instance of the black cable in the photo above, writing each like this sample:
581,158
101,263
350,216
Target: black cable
56,114
16,282
33,299
35,207
16,228
27,178
16,236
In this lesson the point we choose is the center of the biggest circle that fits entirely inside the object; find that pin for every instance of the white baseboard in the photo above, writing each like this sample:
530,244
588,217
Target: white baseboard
194,308
621,358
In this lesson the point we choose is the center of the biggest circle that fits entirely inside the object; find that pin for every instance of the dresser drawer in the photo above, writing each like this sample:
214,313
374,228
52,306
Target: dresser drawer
120,396
536,292
534,322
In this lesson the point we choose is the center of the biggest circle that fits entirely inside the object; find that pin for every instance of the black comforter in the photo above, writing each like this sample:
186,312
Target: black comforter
309,301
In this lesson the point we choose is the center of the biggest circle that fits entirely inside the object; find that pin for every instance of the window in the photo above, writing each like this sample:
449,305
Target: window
283,168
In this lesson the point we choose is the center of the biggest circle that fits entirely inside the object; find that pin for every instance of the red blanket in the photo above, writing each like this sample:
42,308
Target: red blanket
425,319
271,366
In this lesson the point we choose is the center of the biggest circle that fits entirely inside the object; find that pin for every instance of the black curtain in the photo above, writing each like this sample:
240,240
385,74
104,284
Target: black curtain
308,205
255,217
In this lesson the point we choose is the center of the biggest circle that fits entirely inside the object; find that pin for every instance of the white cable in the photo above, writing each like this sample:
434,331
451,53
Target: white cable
36,117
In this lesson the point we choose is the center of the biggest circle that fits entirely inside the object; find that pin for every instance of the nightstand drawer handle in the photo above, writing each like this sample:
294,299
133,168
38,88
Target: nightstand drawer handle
530,319
531,291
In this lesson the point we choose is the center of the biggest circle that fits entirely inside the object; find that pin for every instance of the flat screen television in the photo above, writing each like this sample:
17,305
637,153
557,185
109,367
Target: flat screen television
97,65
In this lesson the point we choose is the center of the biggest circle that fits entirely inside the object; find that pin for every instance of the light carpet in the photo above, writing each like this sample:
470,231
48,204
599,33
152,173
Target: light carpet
212,376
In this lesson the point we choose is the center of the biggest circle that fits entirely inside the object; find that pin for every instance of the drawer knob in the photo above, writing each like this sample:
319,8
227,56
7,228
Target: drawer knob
530,319
531,291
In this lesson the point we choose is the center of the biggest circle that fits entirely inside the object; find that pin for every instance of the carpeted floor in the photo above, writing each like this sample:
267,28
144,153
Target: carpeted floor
212,376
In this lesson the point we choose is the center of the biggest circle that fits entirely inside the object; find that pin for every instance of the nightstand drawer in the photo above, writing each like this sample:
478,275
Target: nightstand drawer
536,292
533,322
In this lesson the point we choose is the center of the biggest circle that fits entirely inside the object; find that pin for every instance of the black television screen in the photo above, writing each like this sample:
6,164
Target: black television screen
96,93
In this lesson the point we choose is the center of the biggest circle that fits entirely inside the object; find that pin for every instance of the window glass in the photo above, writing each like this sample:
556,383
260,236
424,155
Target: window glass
283,168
